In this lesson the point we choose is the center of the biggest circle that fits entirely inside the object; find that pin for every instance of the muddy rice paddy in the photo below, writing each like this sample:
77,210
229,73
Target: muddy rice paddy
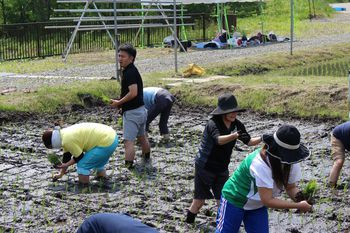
158,193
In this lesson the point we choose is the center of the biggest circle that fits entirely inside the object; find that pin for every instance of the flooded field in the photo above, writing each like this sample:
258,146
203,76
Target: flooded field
158,193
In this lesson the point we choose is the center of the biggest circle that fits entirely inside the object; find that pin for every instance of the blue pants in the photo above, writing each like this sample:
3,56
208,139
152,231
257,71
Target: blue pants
96,158
163,103
230,217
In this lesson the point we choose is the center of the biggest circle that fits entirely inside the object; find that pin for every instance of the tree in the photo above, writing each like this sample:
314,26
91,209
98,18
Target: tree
3,12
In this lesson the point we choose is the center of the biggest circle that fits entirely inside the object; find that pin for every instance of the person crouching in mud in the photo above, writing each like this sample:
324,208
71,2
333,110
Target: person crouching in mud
89,145
259,179
211,165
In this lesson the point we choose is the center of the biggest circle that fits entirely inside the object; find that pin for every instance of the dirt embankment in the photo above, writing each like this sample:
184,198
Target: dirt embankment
157,193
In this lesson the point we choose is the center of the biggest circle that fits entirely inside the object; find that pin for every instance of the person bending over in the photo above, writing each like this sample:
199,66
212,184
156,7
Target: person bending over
89,145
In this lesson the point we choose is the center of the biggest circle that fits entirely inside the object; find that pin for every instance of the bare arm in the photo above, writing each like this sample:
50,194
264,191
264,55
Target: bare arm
254,141
64,167
222,140
131,95
292,190
269,201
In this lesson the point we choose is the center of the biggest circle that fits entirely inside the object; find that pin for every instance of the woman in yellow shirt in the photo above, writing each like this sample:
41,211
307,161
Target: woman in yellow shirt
90,145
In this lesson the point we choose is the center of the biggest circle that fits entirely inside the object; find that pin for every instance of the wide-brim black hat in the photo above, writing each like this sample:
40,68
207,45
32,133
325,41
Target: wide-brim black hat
285,145
226,103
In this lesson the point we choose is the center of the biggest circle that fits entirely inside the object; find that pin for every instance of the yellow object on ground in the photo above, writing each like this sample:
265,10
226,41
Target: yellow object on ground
193,69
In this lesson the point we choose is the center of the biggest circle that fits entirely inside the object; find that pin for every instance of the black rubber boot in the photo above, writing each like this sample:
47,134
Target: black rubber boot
146,155
129,164
190,217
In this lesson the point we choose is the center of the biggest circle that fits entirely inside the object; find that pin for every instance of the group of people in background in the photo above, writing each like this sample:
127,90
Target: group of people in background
244,197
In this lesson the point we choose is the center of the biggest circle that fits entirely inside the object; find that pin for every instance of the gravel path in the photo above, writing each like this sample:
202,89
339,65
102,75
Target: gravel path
202,58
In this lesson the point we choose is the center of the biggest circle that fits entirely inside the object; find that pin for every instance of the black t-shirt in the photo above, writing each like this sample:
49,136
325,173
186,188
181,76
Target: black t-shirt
212,156
342,133
130,76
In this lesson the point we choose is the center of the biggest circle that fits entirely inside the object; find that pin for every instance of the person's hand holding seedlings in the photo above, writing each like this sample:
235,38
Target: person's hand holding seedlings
67,161
304,206
269,201
115,103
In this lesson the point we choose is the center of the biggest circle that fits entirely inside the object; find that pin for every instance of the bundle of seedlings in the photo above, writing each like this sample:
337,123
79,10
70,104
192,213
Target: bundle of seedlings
106,100
54,160
308,192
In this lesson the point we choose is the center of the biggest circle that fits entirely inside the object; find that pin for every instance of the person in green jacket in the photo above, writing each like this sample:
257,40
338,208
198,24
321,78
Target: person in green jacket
259,179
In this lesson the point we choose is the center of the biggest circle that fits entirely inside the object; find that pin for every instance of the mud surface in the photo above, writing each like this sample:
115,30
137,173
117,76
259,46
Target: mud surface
159,192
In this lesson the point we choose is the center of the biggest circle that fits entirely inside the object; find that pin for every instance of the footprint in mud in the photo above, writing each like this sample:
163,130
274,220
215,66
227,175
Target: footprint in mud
207,228
293,230
145,169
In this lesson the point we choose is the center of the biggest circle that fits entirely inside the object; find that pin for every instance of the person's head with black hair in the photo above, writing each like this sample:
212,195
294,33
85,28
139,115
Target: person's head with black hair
127,54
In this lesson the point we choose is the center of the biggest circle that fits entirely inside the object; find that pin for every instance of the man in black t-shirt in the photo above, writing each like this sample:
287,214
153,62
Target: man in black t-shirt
132,105
219,138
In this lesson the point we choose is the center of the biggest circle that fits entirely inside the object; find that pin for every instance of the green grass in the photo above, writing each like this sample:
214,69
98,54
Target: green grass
50,99
276,18
307,97
338,68
27,66
282,63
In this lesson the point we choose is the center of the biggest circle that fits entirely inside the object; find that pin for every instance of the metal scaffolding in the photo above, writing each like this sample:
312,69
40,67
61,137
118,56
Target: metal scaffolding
161,10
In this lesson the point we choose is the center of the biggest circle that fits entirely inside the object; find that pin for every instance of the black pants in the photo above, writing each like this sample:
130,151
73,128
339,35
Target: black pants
163,103
208,184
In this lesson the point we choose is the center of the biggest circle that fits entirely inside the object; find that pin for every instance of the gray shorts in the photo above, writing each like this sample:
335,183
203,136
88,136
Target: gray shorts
134,123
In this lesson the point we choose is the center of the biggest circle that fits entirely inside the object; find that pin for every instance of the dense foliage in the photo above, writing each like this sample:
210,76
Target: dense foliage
23,11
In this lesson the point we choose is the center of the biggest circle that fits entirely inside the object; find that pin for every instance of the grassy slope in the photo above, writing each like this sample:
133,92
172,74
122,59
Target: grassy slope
307,97
49,99
281,62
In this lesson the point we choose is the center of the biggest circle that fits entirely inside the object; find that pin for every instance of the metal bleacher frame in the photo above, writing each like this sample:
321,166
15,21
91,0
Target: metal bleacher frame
170,15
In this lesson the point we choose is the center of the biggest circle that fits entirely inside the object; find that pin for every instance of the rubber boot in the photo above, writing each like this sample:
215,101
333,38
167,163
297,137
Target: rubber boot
129,164
190,217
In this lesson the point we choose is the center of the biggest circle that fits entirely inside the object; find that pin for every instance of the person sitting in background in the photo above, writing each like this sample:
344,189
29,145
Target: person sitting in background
272,37
258,39
158,101
260,177
221,37
340,141
211,165
113,223
89,145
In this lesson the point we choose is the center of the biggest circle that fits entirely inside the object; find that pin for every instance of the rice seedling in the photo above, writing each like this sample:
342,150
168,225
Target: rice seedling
54,160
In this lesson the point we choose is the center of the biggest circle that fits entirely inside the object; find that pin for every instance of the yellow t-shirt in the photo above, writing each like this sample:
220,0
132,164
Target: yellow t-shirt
82,137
